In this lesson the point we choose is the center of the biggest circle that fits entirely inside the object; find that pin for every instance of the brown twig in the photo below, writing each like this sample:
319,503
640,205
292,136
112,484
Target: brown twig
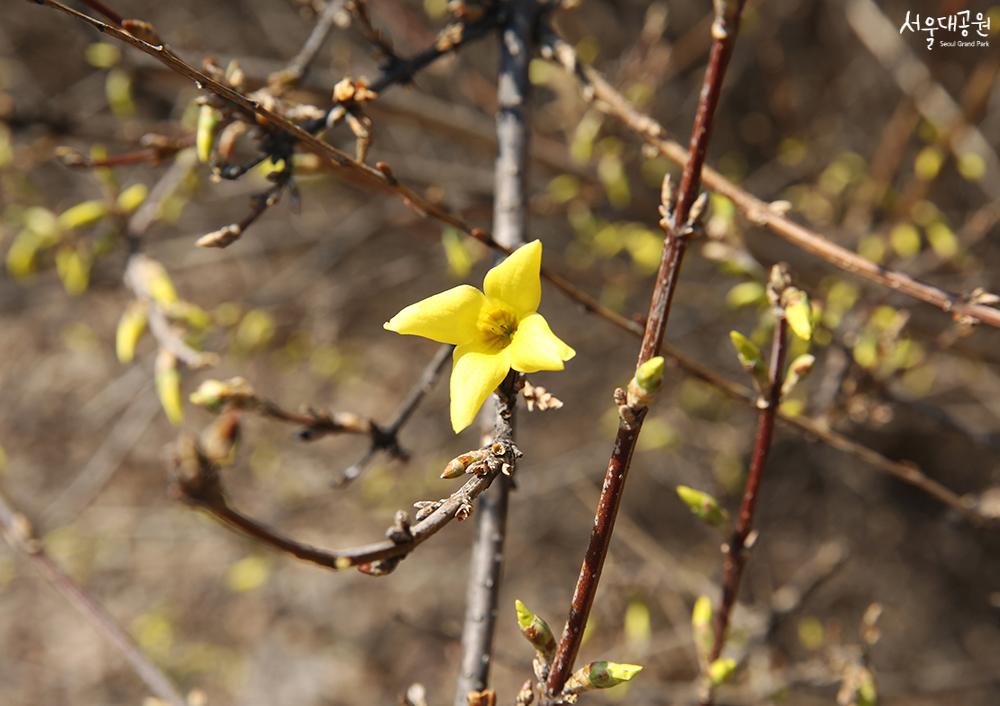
610,101
510,214
678,222
196,481
17,532
734,551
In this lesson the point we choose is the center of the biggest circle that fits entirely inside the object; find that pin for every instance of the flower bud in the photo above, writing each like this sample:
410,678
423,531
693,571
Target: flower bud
703,506
750,358
721,670
82,215
459,465
130,330
797,370
208,123
647,380
168,386
798,312
213,393
701,627
536,631
132,197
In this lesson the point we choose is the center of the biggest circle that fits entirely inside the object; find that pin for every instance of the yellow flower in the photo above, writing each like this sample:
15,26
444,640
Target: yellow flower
492,332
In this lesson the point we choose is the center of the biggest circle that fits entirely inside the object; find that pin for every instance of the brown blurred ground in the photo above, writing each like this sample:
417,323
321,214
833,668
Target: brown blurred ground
330,271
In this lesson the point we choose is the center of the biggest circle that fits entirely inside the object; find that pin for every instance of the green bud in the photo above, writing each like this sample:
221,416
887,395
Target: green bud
600,675
703,506
701,627
208,123
73,267
22,252
42,222
168,386
132,197
750,358
721,670
797,370
82,215
647,380
649,376
536,631
213,393
130,329
798,312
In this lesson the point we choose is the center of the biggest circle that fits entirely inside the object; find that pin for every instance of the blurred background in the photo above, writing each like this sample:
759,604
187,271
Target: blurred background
827,105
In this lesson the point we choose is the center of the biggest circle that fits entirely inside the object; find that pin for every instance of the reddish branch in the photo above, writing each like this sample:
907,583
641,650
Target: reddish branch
678,229
735,550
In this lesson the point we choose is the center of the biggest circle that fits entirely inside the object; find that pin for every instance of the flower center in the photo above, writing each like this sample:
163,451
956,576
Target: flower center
497,324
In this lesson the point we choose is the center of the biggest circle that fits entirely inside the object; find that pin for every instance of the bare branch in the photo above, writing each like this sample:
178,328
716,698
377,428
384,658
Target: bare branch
679,222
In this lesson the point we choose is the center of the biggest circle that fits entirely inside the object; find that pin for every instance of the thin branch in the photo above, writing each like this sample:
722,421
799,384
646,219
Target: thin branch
17,532
196,481
510,214
734,551
387,438
611,102
679,222
298,67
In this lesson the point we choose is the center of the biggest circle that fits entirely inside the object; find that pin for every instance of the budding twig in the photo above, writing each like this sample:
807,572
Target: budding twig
678,225
734,550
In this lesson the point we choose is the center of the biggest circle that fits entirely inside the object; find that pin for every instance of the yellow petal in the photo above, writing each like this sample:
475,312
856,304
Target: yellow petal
475,374
517,280
448,317
534,347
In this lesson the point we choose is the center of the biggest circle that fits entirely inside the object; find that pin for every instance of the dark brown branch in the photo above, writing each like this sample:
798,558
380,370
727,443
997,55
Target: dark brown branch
510,212
678,228
610,101
17,532
735,550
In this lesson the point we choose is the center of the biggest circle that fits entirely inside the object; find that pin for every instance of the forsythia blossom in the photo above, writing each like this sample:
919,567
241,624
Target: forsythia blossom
493,330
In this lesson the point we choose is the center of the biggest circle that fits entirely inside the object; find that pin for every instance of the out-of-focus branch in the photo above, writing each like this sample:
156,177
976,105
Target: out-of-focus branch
510,213
734,551
298,67
18,533
680,219
610,101
387,438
